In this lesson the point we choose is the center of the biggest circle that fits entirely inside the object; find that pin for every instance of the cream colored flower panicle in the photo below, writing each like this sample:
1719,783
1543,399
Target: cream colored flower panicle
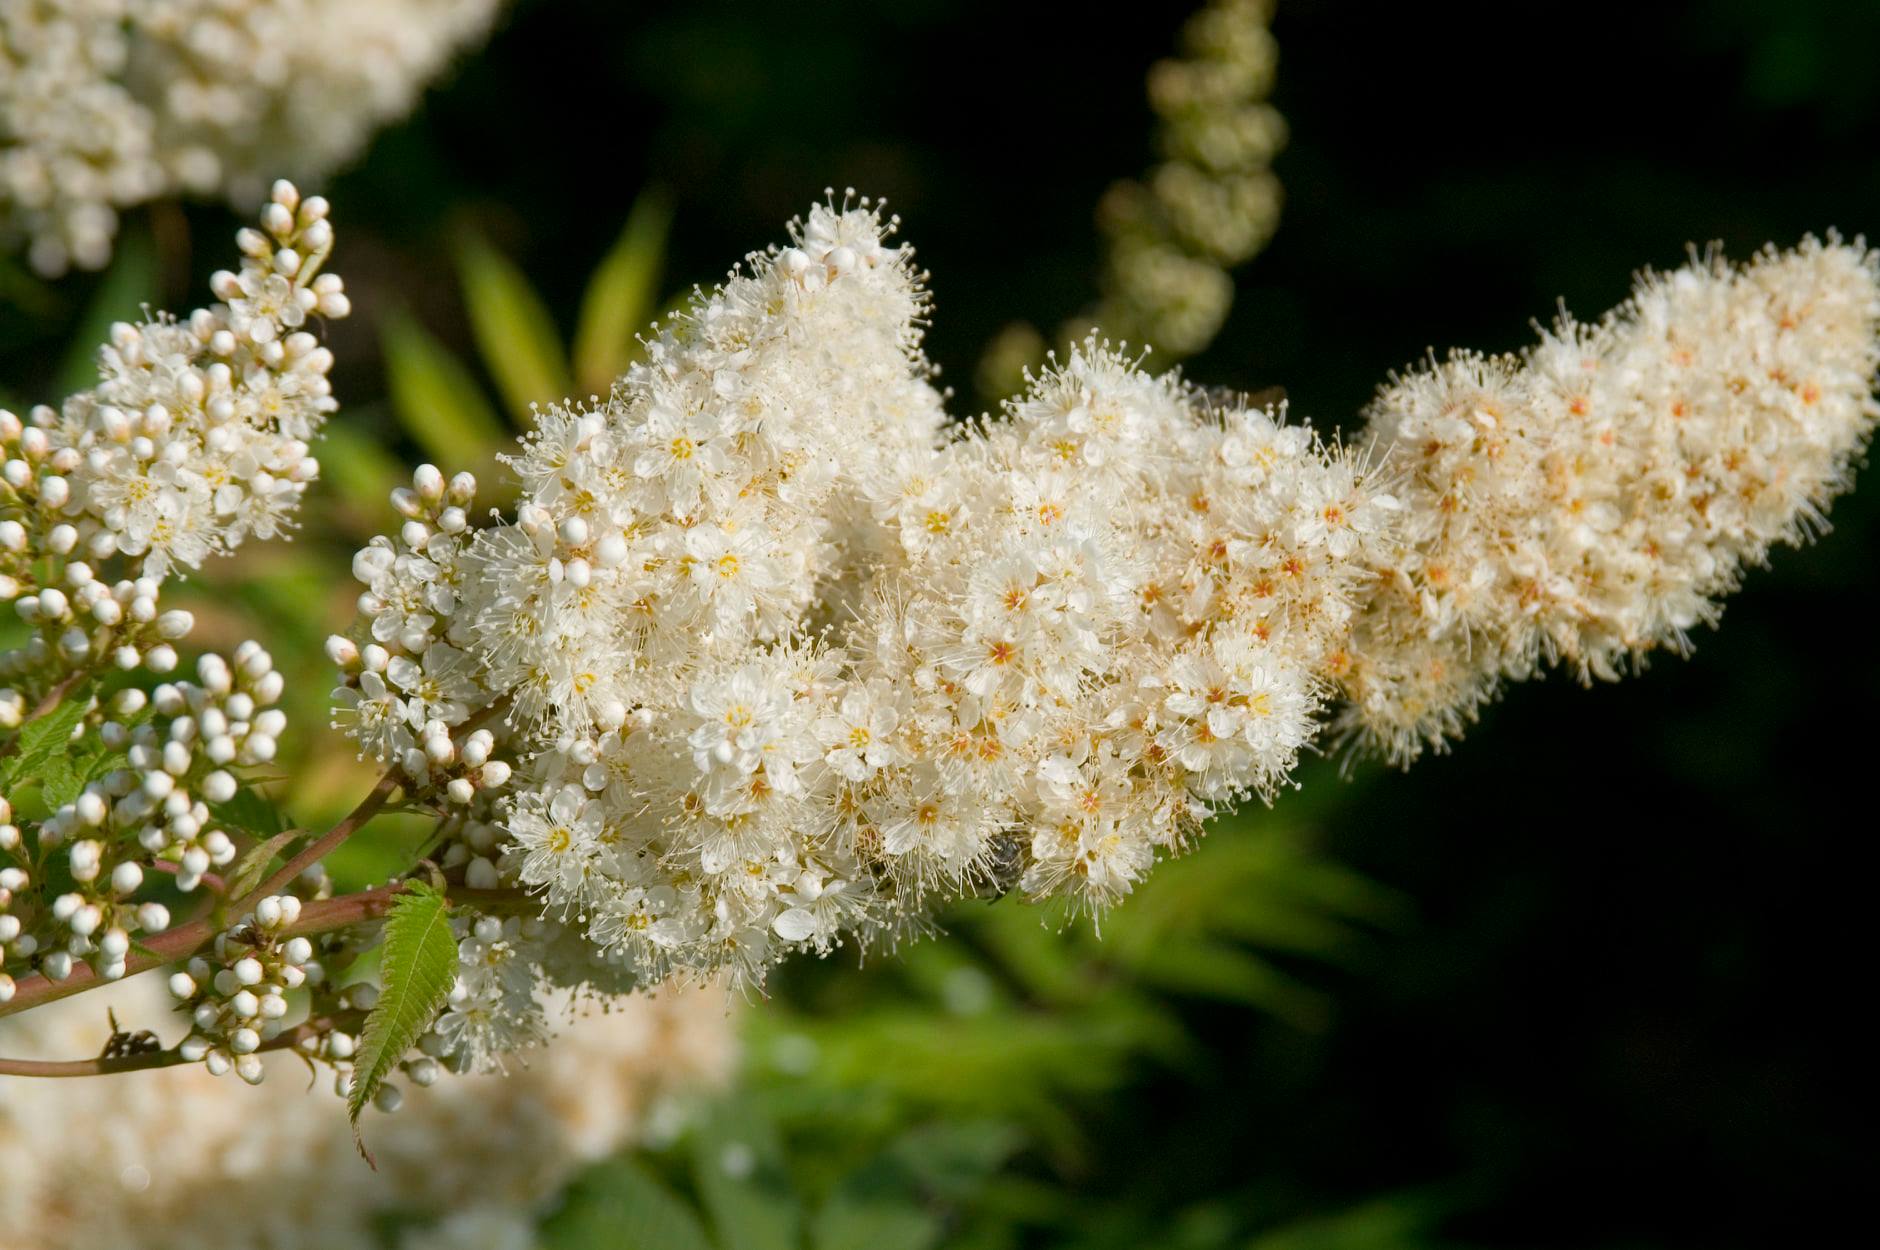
642,620
1588,501
176,1160
1105,624
770,660
782,665
105,104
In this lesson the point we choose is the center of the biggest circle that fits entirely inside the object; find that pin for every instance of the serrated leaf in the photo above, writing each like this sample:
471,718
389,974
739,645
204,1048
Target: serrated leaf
253,867
616,1206
46,736
738,1168
436,400
417,968
251,812
517,337
62,778
130,283
620,296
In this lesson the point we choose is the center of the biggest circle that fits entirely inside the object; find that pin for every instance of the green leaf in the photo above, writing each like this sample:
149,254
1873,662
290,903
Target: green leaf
738,1167
513,329
130,284
59,782
47,736
437,401
616,1206
252,812
875,1208
954,1159
416,971
253,866
66,773
359,470
620,295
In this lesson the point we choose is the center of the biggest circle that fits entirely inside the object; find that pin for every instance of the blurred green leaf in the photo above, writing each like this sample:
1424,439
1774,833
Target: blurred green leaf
620,297
380,851
416,971
954,1159
875,1209
252,812
616,1206
513,328
357,467
26,291
738,1167
436,400
1396,1222
253,866
130,283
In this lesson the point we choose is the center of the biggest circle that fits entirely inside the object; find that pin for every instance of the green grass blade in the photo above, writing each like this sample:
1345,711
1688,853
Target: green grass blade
513,328
620,297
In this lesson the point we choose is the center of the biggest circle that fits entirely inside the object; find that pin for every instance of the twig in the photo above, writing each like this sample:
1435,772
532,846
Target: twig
185,940
313,854
109,1066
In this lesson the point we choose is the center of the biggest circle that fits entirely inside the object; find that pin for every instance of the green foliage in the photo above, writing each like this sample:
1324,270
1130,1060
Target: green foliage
620,297
747,1192
617,1206
65,775
252,868
738,1167
416,970
44,739
436,400
252,812
514,332
129,285
946,1096
1395,1222
356,467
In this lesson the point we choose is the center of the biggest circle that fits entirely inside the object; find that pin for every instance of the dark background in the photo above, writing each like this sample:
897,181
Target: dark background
1624,1007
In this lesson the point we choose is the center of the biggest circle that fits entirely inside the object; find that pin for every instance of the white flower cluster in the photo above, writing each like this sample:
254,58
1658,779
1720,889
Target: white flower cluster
105,104
177,745
176,1160
196,437
780,663
239,1000
1587,501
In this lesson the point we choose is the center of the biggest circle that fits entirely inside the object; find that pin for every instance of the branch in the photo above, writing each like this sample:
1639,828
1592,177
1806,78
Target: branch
111,1065
185,940
320,916
367,809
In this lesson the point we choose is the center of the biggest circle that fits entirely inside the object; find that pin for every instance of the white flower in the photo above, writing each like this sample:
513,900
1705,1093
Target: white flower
556,838
858,732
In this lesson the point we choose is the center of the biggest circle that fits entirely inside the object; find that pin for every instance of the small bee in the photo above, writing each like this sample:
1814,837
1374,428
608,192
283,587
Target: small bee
1004,865
123,1045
